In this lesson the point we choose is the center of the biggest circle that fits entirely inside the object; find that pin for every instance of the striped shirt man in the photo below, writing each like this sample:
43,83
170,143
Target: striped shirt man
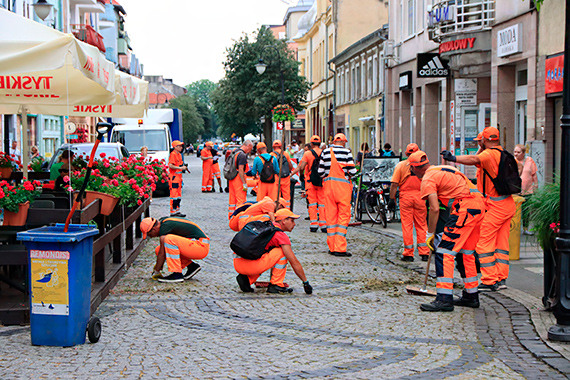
343,156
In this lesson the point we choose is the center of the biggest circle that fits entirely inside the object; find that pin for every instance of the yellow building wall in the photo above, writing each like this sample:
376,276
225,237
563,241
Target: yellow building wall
360,130
551,17
356,21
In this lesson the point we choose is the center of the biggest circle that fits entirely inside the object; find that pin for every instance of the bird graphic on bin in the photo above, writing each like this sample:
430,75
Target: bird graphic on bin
46,277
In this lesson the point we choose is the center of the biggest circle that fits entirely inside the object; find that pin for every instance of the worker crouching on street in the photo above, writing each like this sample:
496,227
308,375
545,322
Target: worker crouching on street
176,168
413,209
279,253
261,211
181,242
335,166
461,232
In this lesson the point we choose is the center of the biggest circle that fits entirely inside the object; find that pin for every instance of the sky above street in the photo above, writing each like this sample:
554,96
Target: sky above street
186,40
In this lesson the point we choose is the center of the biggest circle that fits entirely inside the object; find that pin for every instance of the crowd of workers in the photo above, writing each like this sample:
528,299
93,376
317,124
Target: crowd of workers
462,224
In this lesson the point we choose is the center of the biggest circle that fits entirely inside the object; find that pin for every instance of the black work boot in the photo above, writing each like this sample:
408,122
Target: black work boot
276,289
243,282
441,303
467,300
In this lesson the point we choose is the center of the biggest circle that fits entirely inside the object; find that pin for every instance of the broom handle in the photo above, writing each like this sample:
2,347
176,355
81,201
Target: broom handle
427,269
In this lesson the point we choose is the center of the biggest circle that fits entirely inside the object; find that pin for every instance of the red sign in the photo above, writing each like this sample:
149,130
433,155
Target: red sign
554,74
464,43
280,125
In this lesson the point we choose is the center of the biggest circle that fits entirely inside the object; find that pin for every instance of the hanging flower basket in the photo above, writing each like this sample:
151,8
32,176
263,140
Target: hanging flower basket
283,112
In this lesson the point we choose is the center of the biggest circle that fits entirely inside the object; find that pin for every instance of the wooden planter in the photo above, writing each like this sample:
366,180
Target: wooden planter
108,202
17,218
5,173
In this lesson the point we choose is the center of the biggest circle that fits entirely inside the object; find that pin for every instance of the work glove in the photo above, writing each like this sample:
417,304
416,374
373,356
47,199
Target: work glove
156,275
308,288
391,204
430,241
446,154
244,188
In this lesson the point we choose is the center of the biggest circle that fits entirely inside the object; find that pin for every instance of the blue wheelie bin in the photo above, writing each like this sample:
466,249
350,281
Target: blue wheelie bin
60,265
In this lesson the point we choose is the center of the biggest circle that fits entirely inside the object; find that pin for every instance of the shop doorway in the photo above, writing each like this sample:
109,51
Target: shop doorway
521,122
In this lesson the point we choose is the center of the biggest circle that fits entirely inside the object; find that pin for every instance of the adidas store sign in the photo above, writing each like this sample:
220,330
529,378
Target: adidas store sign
431,66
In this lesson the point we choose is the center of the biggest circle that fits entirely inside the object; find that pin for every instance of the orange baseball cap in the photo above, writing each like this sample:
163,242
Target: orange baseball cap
209,143
285,213
176,143
261,145
277,143
479,137
315,139
411,148
283,202
491,133
146,225
418,158
340,136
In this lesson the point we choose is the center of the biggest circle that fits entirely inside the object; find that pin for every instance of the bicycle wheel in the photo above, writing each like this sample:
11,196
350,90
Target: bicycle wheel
375,208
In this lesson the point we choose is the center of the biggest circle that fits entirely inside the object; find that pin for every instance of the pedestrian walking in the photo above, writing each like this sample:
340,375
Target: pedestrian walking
335,167
413,209
529,180
449,186
207,162
315,192
181,242
176,168
285,168
279,254
238,185
493,245
265,168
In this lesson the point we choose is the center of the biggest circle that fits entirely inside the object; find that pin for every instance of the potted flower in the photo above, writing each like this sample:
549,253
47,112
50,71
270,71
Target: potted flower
283,112
15,200
8,163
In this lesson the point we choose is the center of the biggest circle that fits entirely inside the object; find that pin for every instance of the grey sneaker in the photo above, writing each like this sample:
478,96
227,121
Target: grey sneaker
489,288
502,284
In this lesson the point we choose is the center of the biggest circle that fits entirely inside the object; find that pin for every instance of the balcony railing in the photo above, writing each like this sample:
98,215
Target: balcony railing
450,17
87,34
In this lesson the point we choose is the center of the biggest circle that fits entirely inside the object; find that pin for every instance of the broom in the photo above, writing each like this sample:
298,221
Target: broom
422,291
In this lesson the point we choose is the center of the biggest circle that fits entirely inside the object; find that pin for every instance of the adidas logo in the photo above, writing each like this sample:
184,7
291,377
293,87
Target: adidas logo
434,68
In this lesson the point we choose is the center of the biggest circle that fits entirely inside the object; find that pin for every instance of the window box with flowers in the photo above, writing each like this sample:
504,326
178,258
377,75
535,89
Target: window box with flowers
8,164
15,200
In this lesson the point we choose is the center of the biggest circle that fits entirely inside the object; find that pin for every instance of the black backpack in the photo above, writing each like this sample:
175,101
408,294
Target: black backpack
267,174
508,180
251,240
315,179
284,166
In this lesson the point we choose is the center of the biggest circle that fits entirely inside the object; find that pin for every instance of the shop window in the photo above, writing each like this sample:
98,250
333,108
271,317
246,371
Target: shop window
411,17
522,77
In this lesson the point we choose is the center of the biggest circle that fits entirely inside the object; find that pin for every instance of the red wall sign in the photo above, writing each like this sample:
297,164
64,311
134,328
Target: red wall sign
464,43
554,74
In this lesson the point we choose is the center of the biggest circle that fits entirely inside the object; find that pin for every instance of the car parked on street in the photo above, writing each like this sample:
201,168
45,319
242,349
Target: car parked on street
84,149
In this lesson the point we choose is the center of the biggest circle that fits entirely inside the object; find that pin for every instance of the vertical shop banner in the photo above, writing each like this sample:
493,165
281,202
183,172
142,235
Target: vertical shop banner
452,126
554,74
49,282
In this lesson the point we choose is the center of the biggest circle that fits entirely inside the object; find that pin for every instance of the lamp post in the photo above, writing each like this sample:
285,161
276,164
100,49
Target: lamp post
561,305
260,66
42,9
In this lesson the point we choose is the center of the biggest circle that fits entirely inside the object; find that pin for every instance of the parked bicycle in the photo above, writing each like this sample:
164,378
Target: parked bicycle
375,203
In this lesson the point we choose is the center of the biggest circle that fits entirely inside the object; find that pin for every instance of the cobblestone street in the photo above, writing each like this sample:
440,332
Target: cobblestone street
358,324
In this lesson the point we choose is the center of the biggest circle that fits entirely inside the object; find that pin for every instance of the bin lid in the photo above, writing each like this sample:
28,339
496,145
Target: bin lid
55,234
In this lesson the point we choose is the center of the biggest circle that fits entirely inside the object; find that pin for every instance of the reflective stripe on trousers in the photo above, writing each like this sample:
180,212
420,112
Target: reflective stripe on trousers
181,251
274,260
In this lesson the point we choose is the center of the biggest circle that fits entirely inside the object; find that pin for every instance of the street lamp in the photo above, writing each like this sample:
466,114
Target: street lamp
561,305
42,9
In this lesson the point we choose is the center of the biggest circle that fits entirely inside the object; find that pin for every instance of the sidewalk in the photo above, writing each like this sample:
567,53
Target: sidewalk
525,283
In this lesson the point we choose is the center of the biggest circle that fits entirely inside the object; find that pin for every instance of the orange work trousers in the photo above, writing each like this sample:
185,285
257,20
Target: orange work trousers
175,193
460,235
207,180
216,173
316,198
338,193
274,260
285,192
413,213
265,189
181,251
237,195
493,246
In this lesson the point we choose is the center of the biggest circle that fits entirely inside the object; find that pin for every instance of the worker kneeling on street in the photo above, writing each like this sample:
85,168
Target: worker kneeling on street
461,232
181,242
277,254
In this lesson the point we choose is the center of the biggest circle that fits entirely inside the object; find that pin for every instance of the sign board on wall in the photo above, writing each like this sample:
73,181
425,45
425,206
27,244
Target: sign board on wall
406,80
431,66
466,92
452,126
509,40
440,14
554,74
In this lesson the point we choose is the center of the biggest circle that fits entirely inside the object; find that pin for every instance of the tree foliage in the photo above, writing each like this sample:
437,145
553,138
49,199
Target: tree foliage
192,119
201,90
243,96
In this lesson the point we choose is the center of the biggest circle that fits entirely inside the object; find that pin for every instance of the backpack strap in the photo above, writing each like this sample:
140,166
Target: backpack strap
314,153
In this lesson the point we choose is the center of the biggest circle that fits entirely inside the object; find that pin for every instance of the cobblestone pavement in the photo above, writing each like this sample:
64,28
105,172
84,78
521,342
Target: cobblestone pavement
358,324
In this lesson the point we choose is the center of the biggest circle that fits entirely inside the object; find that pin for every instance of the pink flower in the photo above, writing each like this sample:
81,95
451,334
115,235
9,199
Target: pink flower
66,179
102,155
139,202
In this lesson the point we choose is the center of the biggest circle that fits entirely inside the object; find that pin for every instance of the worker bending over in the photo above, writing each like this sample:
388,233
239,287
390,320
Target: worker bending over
181,242
335,167
413,209
279,253
461,232
262,211
315,194
493,245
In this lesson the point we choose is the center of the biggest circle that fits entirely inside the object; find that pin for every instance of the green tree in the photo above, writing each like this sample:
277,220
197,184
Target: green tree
192,121
243,96
201,90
